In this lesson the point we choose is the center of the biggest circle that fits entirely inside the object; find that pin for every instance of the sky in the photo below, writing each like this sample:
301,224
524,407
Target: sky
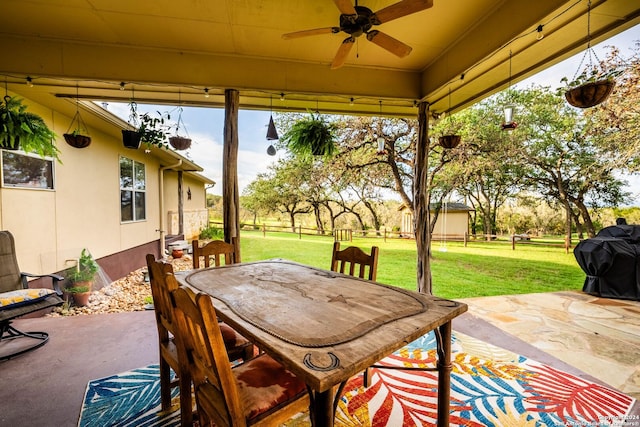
205,125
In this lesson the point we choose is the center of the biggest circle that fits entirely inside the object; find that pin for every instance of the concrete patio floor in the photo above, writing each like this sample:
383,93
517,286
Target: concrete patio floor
593,338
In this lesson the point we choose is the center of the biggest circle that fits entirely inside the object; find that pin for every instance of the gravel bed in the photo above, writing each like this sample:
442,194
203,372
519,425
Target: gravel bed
131,293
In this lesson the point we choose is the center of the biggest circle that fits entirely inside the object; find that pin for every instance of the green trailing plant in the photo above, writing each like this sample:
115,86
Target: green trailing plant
311,136
20,129
150,129
77,289
590,75
86,269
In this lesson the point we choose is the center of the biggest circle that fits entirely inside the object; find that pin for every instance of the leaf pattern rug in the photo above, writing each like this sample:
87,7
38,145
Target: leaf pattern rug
490,386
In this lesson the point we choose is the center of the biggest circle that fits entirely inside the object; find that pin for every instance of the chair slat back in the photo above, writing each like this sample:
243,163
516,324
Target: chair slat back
347,260
161,293
217,249
216,388
9,270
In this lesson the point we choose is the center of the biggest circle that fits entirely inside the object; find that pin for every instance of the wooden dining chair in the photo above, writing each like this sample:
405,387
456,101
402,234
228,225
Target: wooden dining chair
347,260
171,350
259,392
218,249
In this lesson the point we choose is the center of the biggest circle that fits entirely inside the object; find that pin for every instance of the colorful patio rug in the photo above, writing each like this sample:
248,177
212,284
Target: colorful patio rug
490,386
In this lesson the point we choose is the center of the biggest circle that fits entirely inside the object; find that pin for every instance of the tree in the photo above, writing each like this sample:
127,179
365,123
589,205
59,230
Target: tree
482,170
615,124
283,188
560,159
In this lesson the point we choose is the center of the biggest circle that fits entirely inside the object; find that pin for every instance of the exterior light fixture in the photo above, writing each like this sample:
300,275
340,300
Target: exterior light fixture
206,92
540,35
380,139
29,81
509,108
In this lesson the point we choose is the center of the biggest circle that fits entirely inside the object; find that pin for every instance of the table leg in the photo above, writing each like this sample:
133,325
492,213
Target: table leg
322,405
321,408
444,374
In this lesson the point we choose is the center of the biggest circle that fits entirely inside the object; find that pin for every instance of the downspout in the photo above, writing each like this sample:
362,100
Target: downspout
161,198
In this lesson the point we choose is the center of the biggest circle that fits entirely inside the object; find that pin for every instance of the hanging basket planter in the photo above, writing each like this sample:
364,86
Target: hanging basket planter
131,139
77,137
180,142
590,94
449,141
77,141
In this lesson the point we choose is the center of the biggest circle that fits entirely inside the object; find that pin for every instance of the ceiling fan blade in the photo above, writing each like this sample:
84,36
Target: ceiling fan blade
342,53
400,9
345,6
313,32
387,42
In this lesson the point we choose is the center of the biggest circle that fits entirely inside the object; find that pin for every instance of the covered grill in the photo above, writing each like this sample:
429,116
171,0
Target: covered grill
611,261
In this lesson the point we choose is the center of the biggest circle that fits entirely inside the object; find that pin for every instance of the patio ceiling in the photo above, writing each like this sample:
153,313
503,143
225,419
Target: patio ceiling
169,51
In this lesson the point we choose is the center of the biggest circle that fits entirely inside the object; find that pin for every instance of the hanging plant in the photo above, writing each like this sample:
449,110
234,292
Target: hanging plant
590,88
180,142
449,141
311,136
148,129
79,137
594,84
20,129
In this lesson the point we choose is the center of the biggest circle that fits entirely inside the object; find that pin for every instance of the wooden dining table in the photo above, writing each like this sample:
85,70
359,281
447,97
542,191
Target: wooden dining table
324,326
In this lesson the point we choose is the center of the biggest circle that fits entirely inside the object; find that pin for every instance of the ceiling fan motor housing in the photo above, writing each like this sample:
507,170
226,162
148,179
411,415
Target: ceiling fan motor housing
356,25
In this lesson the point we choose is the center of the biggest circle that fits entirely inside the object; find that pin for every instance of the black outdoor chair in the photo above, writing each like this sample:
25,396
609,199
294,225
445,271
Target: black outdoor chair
16,299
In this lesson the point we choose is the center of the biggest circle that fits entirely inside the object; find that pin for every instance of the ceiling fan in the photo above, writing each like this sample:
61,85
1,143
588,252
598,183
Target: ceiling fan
358,20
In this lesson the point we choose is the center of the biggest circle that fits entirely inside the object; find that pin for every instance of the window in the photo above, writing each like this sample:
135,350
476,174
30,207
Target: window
26,171
133,184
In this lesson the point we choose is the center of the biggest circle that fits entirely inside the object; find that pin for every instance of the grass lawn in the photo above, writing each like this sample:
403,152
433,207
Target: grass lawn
480,269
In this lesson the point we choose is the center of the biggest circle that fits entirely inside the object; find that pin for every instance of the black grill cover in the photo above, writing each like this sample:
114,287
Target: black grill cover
610,261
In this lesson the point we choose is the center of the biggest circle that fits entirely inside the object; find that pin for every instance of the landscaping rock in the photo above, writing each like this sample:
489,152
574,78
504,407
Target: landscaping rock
131,293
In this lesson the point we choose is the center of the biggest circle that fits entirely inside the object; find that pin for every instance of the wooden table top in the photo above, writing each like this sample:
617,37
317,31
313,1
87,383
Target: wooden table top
323,326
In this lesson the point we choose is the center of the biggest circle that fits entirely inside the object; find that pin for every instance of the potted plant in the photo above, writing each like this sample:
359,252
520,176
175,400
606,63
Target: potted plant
148,129
180,142
79,137
311,136
80,294
81,278
20,129
590,88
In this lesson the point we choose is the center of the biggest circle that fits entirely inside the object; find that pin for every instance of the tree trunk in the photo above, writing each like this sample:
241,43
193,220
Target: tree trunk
316,213
421,201
292,219
230,195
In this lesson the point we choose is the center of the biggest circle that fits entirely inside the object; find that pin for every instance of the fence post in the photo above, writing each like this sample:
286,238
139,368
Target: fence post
466,236
385,234
513,242
300,232
264,230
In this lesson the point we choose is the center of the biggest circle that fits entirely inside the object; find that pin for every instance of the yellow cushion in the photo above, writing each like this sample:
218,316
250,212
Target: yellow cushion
22,296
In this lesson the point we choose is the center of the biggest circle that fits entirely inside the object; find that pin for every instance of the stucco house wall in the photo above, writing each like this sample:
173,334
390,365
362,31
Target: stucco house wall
51,226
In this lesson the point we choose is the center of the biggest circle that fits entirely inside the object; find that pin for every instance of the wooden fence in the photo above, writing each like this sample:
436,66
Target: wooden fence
347,234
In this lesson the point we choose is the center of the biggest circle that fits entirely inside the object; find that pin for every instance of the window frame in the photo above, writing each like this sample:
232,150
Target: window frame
134,190
48,159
